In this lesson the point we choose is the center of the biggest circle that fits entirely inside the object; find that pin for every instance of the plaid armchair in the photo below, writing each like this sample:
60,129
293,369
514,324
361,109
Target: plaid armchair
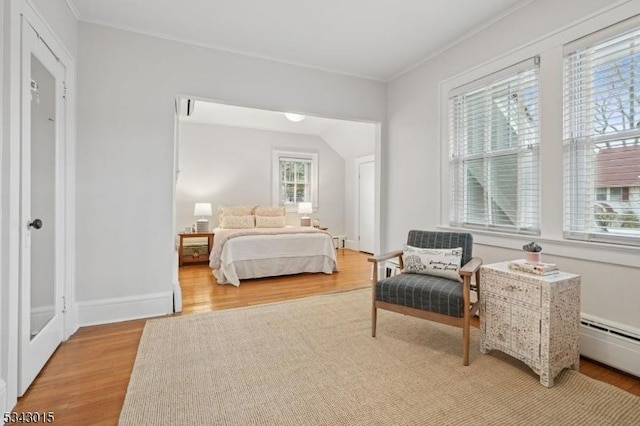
435,298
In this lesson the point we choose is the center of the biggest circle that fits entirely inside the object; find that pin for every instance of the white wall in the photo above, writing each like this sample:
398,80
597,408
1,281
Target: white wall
233,166
127,84
414,151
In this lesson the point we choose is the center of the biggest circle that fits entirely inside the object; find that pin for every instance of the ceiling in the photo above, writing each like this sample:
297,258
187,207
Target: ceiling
350,139
375,39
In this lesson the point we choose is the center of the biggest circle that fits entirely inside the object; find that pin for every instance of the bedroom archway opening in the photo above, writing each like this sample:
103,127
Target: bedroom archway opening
224,156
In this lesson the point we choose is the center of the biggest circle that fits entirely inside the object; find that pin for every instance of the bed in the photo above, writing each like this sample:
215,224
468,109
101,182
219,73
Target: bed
262,251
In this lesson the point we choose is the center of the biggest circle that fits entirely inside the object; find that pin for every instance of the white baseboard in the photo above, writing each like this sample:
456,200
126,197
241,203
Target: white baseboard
617,352
118,309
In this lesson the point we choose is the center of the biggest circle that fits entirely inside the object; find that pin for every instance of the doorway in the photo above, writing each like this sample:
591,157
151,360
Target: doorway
365,170
213,174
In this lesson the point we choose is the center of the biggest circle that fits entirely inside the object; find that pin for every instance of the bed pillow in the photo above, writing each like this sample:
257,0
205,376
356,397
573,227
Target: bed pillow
443,263
270,211
270,221
234,211
237,222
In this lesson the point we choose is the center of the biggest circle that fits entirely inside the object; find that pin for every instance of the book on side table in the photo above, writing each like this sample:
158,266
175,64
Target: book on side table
539,268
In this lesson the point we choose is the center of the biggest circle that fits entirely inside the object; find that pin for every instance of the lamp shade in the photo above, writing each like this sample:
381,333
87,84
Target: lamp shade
202,209
305,208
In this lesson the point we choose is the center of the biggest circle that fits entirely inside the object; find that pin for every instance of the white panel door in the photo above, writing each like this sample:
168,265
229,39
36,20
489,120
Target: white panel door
366,206
41,245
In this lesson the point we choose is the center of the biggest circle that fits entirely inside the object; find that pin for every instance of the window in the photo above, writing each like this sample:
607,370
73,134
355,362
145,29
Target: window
295,178
625,192
494,144
602,136
615,194
295,184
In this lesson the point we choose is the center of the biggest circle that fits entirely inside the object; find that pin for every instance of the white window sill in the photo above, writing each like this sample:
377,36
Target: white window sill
614,254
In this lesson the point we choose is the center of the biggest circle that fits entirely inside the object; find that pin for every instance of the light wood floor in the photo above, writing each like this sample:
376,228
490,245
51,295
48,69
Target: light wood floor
85,381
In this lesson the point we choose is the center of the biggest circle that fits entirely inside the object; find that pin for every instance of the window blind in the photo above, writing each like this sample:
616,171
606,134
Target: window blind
601,137
494,144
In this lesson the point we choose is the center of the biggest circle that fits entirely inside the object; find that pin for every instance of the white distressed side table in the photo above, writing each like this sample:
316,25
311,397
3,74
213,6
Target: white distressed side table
533,318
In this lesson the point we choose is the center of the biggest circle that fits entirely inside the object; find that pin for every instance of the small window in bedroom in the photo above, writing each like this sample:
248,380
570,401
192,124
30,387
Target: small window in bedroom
295,178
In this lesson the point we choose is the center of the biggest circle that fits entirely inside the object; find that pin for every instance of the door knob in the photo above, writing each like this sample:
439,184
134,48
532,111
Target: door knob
36,224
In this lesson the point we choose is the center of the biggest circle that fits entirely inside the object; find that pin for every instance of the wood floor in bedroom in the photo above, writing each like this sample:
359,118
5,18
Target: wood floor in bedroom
85,381
200,292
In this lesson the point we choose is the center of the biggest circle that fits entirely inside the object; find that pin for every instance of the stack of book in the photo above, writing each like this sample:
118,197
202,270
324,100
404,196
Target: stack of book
539,268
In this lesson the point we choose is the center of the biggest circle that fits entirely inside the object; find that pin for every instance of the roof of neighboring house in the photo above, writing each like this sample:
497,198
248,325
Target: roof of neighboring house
618,166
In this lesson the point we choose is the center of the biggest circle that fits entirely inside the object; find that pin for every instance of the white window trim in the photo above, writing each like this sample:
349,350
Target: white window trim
550,49
277,154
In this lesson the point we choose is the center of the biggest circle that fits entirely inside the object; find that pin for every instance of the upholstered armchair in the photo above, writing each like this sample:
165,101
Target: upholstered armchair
435,282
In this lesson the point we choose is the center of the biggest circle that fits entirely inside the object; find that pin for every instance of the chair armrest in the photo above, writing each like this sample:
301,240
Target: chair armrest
382,257
471,267
385,256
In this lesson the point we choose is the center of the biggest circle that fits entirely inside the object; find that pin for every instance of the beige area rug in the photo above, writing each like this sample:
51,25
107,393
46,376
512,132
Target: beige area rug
314,362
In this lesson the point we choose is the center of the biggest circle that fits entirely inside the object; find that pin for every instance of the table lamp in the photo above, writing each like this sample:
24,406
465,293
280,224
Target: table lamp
203,210
305,209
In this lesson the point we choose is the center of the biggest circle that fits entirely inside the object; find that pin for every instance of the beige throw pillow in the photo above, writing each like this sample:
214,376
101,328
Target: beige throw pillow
237,222
443,263
234,211
270,211
270,221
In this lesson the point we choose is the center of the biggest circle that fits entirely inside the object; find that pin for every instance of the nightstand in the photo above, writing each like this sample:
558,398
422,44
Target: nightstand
534,318
189,258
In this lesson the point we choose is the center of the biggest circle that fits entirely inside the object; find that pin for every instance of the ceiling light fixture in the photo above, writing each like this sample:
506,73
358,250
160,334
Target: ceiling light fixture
296,118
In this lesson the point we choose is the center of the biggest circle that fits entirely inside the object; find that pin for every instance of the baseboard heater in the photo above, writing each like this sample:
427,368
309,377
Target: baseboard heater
611,344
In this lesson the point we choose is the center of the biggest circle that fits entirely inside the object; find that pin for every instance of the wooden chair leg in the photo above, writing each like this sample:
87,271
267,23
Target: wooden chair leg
374,310
466,335
374,318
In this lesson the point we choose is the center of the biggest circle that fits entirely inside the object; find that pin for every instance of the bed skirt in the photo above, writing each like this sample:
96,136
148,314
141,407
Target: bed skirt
257,268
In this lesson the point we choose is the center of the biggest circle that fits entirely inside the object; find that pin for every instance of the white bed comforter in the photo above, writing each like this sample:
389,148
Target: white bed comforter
243,254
